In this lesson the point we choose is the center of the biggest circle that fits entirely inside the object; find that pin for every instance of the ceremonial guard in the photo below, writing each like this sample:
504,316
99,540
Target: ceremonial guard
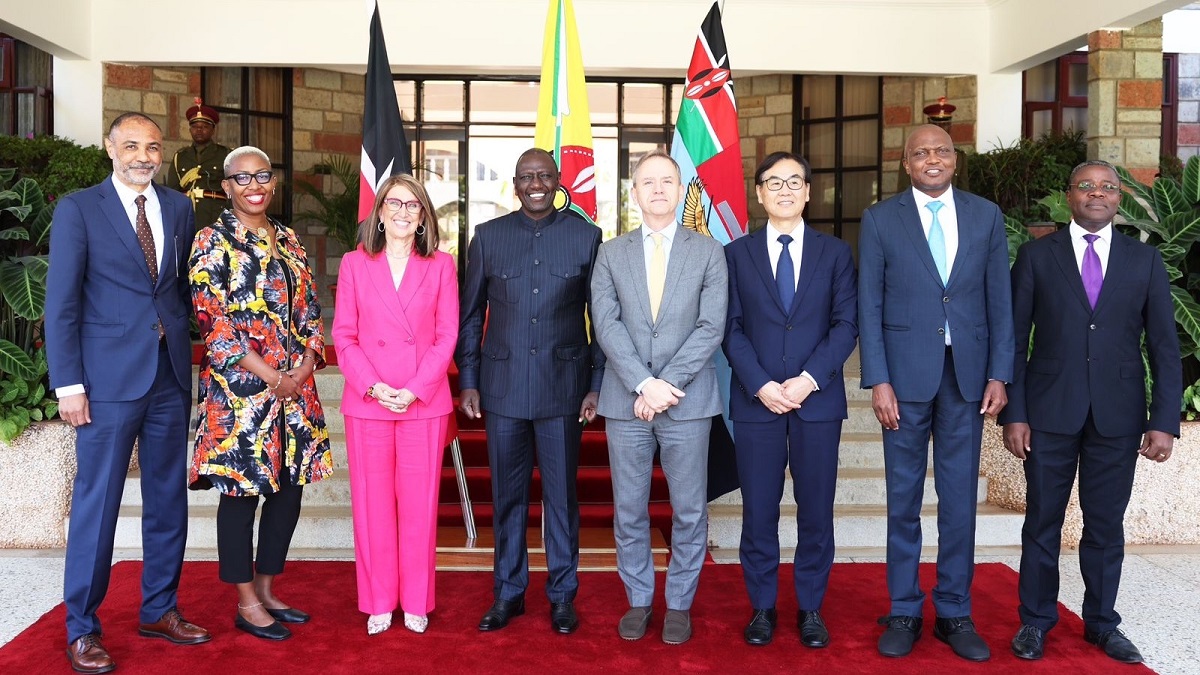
196,170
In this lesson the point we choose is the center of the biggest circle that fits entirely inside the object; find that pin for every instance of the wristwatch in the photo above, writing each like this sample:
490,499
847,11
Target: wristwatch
371,391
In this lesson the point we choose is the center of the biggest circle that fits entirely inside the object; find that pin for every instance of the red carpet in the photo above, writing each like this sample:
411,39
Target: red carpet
336,642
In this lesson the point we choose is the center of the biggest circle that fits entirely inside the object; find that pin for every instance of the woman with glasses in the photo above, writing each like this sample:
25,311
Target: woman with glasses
395,330
261,426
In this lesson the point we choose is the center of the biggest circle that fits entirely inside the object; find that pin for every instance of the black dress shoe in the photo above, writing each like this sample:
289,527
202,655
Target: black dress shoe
959,633
501,612
562,618
761,628
275,631
1029,643
1115,644
813,632
289,615
901,633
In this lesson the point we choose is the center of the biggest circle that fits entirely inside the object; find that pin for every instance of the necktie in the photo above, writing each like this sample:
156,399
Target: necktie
785,274
656,276
146,238
1092,273
937,241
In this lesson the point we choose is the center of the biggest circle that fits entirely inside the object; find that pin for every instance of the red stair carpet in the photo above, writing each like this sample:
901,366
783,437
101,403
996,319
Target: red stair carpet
335,641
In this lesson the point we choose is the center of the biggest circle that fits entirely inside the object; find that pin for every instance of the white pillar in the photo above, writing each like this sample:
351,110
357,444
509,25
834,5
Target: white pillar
999,110
79,100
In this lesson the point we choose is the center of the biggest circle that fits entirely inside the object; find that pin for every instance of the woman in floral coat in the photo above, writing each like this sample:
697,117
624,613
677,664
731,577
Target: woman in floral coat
262,429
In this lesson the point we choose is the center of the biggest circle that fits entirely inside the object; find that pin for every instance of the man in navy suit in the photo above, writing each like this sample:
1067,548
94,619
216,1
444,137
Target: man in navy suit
1078,401
792,324
117,308
537,377
936,342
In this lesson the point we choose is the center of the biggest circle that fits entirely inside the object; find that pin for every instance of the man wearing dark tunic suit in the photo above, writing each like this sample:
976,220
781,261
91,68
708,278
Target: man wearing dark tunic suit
196,169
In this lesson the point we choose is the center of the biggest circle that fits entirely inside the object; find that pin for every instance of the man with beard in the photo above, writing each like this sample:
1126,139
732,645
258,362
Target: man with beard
536,374
117,308
197,169
936,343
1077,402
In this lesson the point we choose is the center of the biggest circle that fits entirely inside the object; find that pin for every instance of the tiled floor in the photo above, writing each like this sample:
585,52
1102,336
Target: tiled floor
1160,597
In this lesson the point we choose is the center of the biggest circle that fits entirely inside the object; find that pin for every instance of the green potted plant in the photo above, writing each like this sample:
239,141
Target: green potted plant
336,210
1165,215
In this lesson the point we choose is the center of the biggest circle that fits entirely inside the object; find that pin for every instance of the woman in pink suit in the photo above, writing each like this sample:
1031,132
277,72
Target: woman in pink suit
395,326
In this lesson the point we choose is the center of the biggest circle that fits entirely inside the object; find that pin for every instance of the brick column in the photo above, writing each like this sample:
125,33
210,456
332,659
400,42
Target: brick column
764,125
1125,97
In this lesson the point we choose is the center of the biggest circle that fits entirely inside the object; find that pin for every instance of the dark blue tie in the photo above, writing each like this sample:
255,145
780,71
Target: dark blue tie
785,274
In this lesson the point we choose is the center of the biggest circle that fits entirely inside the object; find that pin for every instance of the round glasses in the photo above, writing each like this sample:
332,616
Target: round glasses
394,205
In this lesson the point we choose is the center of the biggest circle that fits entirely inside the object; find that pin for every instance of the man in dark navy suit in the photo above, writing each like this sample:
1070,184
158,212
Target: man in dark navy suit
936,341
536,374
1088,294
792,325
117,308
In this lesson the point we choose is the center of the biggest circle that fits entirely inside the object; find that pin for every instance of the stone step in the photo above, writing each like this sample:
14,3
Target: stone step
862,526
855,486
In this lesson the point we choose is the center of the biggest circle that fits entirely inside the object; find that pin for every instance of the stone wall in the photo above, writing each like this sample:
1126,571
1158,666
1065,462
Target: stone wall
36,472
1187,106
1125,98
163,94
904,100
765,124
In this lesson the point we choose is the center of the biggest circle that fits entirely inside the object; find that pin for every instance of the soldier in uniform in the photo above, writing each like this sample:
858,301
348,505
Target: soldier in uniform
197,169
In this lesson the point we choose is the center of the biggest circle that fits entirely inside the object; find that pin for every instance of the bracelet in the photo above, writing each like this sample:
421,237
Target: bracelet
371,391
277,382
307,357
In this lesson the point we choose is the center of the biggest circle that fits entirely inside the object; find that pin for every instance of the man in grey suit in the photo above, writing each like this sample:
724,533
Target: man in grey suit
662,390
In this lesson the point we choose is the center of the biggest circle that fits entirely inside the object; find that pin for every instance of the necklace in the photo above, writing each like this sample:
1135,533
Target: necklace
397,257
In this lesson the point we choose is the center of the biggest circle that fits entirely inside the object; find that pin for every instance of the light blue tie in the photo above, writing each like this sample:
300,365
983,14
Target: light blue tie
937,241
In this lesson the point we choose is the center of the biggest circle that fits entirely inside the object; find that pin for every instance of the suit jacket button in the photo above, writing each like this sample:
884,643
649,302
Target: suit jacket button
946,299
533,351
655,334
503,276
533,320
154,326
382,343
941,331
1092,327
535,291
789,327
410,340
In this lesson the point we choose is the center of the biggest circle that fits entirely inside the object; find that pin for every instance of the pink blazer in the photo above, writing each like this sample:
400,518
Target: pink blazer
404,338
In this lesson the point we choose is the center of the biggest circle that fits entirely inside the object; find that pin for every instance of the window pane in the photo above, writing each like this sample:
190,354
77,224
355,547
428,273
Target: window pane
406,97
818,96
860,95
643,103
32,66
858,192
504,102
443,180
1077,79
602,102
1040,82
860,143
605,147
223,88
443,102
1075,119
266,90
821,196
266,134
818,146
631,215
676,100
493,151
229,131
1040,122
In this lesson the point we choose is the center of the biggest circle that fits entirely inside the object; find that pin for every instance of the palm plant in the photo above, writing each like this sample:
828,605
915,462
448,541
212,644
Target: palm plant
337,211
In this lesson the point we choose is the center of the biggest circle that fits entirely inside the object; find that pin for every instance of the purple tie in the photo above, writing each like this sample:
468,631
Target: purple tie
1093,275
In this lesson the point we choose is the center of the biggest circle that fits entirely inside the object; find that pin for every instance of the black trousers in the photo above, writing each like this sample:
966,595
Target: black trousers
235,533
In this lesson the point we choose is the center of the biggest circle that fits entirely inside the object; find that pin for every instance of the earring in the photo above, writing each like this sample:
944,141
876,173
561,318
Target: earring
420,230
381,228
227,195
273,190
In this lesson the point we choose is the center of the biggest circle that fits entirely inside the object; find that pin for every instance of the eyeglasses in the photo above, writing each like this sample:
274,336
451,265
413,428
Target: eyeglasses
776,184
923,153
1088,186
394,205
243,178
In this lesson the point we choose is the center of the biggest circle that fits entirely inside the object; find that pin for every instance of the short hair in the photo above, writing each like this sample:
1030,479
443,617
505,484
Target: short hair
127,116
1092,162
373,238
656,153
777,157
238,153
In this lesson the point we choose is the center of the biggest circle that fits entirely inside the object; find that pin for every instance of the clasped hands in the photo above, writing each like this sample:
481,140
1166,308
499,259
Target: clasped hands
657,395
786,397
391,398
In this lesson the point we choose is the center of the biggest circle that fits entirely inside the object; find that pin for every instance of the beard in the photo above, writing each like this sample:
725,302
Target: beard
137,173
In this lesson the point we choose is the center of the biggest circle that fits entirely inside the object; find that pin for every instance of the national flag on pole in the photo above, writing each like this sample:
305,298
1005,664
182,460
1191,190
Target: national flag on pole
708,149
706,144
384,147
564,127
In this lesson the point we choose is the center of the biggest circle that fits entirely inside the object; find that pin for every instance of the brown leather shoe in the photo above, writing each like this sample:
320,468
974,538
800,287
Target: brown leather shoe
172,626
87,655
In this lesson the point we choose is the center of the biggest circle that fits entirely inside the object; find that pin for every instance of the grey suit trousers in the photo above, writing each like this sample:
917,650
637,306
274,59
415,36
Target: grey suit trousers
683,446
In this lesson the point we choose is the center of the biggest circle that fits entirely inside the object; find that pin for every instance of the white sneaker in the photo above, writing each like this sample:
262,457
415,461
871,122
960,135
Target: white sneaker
416,624
377,623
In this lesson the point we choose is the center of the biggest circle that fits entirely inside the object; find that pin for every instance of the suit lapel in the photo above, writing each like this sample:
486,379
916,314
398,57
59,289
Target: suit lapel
118,219
967,235
414,279
634,260
167,211
380,275
814,244
762,262
680,248
910,222
1118,254
1064,255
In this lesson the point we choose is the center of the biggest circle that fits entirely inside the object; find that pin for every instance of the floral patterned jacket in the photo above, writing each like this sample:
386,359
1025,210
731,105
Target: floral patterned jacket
241,299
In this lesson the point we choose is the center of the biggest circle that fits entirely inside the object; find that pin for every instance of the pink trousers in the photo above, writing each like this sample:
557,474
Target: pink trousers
395,471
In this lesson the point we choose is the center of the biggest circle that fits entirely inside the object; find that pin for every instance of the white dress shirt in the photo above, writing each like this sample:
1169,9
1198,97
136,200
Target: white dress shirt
947,218
1102,245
